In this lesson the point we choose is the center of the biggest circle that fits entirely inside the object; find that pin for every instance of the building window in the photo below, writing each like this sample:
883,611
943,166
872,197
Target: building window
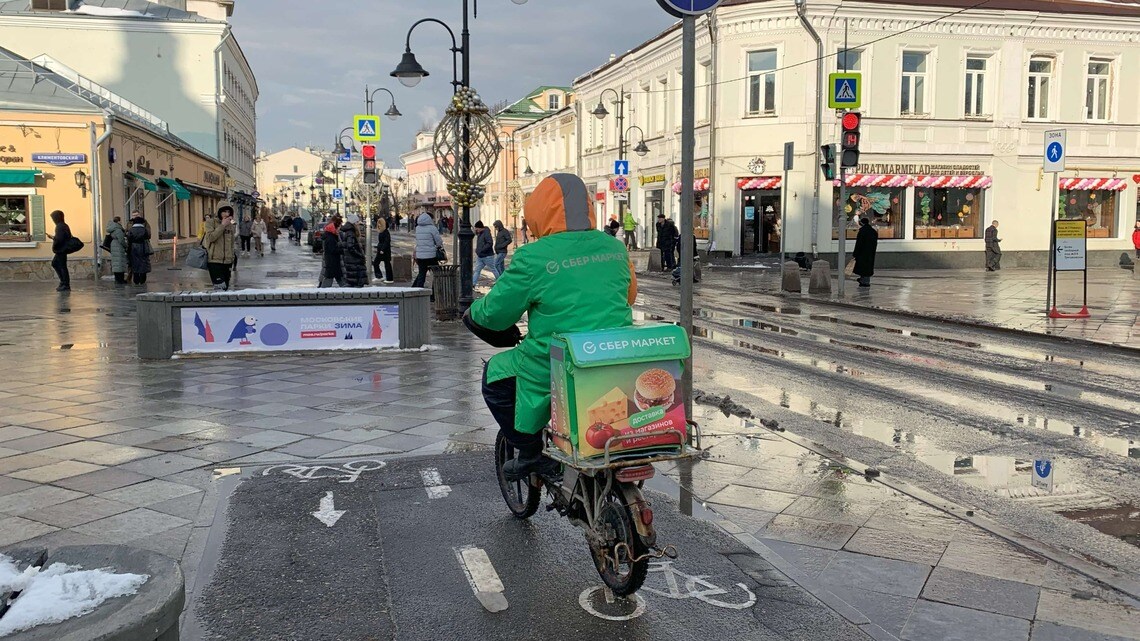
705,76
948,213
849,60
883,206
976,95
762,83
14,219
1097,90
166,215
662,106
1097,207
49,5
913,97
135,199
554,102
1040,75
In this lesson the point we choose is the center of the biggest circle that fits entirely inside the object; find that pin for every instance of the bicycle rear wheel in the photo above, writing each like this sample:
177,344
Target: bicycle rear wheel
623,561
522,498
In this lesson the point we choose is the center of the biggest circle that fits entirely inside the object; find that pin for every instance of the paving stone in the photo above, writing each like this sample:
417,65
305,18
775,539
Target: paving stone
995,559
185,507
4,452
222,451
14,529
941,622
1045,631
149,492
896,545
888,611
61,423
982,593
403,442
35,498
55,471
438,430
861,572
811,561
41,441
360,449
753,498
269,439
797,529
78,449
133,437
164,464
265,458
171,543
95,430
9,485
128,526
101,481
311,447
1090,614
846,512
77,512
359,435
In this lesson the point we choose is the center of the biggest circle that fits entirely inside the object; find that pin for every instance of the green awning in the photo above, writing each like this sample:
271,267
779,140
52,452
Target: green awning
146,183
179,191
18,176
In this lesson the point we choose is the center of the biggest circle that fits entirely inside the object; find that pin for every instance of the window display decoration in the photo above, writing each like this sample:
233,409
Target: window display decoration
700,184
1094,184
759,182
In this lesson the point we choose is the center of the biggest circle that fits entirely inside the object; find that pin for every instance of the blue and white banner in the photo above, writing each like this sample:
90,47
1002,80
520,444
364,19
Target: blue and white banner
287,329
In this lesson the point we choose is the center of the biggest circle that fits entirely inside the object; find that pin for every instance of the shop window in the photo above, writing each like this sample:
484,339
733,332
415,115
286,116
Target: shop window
14,219
913,92
883,206
1097,207
976,93
136,196
701,214
166,209
1097,90
762,83
1040,75
948,213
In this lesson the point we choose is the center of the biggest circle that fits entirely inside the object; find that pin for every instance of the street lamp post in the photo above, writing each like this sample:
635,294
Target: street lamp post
409,73
392,113
600,112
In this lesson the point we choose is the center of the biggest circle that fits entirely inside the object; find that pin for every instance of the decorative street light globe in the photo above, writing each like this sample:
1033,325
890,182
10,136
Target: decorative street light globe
467,125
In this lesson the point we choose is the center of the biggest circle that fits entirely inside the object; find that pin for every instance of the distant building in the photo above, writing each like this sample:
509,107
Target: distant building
177,59
284,177
426,186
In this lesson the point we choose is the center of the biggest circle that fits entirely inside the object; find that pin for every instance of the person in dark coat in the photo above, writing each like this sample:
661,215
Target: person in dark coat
383,253
59,242
138,254
484,252
503,242
993,248
613,226
352,257
667,237
866,244
332,270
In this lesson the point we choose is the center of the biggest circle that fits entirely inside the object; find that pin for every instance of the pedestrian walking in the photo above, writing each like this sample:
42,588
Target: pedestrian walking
352,257
503,242
272,231
139,249
59,246
525,237
429,247
613,226
245,230
484,252
383,253
117,249
1136,239
332,263
298,227
667,236
396,221
442,224
629,224
993,248
219,243
866,244
259,230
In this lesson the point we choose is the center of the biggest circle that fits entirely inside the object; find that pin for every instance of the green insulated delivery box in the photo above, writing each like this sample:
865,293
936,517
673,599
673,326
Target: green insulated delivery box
618,382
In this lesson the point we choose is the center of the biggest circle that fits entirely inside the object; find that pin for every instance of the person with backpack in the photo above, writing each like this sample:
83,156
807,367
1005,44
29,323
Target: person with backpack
383,254
61,242
503,242
115,244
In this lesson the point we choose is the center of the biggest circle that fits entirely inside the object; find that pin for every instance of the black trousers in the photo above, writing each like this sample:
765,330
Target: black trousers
245,242
500,399
59,264
386,261
219,273
423,264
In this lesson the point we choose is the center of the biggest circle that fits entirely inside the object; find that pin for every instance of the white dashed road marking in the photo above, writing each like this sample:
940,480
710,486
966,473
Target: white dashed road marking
485,582
433,483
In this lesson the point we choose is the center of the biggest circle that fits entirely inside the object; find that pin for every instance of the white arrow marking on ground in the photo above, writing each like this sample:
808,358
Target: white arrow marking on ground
433,483
328,514
481,575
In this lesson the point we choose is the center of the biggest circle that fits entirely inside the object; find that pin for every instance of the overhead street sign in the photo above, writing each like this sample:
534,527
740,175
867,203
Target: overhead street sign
1070,249
366,128
621,167
1055,150
846,91
682,8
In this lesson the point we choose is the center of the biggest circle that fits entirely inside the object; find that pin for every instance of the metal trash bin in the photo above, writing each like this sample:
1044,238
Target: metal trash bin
445,288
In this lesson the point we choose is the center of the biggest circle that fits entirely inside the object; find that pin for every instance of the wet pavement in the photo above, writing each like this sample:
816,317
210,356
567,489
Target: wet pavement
1011,298
96,446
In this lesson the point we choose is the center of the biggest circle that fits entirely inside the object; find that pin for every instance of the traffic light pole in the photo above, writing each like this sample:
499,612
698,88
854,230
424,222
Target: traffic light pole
841,220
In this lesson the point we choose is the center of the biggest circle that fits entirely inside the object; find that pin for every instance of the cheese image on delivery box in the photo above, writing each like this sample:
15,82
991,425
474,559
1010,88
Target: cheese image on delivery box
619,382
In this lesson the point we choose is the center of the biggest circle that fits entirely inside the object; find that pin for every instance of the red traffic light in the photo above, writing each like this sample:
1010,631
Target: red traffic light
851,121
851,140
368,152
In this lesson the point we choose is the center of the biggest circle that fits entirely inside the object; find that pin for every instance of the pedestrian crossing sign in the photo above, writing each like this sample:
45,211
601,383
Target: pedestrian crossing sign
366,128
846,91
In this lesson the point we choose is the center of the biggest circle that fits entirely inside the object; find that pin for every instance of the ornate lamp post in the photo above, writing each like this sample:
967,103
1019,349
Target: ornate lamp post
466,146
600,112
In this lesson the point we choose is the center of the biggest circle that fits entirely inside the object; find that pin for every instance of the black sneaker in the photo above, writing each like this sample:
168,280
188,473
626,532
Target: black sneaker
519,468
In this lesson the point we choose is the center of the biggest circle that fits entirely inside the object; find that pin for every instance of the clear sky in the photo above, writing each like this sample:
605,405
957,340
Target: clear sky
313,59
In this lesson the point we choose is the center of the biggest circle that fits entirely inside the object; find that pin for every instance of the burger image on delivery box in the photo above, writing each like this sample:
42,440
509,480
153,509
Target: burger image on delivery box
618,383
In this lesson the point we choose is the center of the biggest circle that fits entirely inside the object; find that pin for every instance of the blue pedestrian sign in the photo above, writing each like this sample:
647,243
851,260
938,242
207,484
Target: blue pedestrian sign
338,194
846,91
1055,150
366,128
682,8
1043,474
621,167
345,157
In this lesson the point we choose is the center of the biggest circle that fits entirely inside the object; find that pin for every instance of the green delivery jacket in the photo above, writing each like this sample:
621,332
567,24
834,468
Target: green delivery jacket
571,281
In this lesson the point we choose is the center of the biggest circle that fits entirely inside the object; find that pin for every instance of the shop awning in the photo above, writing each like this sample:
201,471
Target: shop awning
146,183
180,192
200,190
18,176
976,181
759,182
700,184
1093,184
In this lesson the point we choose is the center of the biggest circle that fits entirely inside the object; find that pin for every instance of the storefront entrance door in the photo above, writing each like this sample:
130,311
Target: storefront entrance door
760,222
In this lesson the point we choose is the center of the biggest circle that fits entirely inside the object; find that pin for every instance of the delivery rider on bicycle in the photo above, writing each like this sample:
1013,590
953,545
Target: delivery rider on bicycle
569,278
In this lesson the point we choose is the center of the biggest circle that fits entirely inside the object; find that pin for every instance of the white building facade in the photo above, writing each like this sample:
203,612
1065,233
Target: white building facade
955,107
177,59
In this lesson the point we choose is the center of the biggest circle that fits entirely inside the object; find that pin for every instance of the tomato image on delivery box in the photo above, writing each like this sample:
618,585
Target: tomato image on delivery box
618,382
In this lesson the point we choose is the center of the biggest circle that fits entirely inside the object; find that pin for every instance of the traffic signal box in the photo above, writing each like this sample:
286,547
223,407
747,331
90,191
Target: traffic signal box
849,139
828,164
368,153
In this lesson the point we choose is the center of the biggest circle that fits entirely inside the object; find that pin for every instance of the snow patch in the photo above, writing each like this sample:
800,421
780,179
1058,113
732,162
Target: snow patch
58,593
234,293
109,12
381,350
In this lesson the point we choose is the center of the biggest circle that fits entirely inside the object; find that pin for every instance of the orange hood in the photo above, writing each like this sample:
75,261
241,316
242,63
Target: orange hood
559,203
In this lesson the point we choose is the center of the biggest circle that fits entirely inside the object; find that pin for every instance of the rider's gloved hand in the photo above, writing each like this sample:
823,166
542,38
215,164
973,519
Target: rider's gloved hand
495,338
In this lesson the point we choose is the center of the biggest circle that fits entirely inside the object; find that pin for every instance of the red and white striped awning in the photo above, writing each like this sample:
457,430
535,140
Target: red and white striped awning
759,182
700,184
905,180
1094,184
878,180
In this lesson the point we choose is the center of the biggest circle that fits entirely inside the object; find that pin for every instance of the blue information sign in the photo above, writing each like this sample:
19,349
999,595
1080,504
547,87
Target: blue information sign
338,193
688,7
